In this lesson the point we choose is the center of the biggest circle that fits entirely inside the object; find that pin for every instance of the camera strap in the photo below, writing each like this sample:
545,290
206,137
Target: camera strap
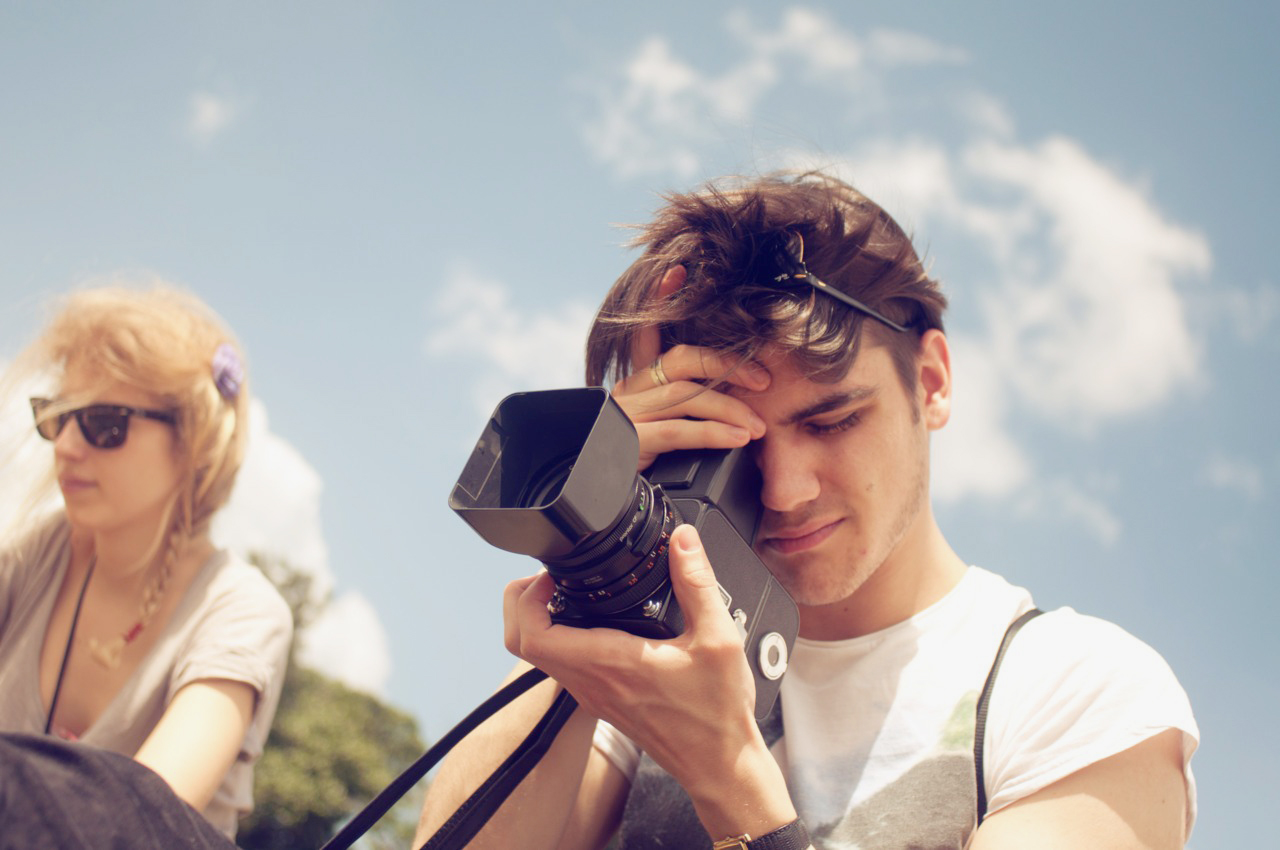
980,716
473,814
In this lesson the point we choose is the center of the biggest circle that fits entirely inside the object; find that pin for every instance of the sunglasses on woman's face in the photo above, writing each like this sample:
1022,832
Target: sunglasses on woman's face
104,425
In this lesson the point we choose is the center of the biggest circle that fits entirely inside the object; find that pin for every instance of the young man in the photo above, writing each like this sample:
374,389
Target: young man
790,313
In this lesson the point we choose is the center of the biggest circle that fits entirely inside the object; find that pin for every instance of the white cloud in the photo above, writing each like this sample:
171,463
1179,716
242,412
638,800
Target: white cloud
986,114
822,47
660,93
209,115
975,453
275,510
913,177
348,642
1234,474
1250,313
473,317
894,48
1102,331
24,457
657,112
275,507
1064,500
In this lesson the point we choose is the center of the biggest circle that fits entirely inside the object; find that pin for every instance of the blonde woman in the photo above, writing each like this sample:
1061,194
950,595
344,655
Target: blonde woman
121,625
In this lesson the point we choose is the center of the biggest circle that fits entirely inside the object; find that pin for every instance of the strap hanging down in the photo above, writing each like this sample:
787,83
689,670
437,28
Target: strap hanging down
980,723
475,812
382,803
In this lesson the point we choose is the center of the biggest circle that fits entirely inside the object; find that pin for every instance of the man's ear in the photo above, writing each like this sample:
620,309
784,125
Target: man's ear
646,346
934,379
671,281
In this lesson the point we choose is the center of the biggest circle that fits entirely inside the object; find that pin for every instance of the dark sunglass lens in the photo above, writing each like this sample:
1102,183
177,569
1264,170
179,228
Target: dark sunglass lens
48,427
103,427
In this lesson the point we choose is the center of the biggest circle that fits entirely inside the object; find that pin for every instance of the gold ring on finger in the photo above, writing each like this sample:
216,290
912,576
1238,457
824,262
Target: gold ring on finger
655,372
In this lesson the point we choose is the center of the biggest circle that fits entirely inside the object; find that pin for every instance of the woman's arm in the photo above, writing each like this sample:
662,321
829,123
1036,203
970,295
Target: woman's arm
199,737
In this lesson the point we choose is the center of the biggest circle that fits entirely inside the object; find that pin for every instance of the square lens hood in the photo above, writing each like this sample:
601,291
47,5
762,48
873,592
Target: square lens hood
551,469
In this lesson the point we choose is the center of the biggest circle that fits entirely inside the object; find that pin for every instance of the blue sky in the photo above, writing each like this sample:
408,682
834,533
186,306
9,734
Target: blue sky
406,212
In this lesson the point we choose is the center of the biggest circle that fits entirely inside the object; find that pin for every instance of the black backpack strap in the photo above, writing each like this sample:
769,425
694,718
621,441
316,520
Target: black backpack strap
980,723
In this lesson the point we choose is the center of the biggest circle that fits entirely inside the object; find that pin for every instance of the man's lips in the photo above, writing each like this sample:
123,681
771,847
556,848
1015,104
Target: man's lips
788,541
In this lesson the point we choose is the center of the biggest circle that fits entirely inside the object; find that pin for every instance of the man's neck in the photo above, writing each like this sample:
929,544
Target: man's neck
918,573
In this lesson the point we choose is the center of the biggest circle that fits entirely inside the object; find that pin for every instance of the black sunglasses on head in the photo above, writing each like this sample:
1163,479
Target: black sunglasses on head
786,253
104,425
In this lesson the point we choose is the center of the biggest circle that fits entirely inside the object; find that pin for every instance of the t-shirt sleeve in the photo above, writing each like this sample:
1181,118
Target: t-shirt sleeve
28,559
243,636
1074,690
621,752
9,559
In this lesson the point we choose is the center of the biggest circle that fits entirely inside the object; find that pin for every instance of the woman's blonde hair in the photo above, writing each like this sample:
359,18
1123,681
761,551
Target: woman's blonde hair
162,341
170,344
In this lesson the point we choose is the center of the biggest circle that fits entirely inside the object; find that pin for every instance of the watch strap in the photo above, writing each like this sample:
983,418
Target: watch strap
792,836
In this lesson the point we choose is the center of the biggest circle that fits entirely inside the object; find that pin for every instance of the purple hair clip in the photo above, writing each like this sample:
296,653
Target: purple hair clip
228,371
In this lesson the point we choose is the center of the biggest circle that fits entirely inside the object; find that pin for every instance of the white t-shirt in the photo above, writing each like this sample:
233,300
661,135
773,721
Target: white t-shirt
877,732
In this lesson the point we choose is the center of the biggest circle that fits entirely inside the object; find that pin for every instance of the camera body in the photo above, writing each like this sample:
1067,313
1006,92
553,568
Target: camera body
553,476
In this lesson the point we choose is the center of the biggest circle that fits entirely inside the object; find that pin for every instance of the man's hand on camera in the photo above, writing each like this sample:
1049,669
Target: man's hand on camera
688,701
668,397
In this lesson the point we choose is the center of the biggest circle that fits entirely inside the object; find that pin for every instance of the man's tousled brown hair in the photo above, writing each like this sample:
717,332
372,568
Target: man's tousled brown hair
722,235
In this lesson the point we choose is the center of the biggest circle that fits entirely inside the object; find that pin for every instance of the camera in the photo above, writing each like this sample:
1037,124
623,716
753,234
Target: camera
553,476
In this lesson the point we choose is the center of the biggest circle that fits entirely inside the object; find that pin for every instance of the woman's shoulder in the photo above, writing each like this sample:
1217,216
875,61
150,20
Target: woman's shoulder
44,528
46,539
233,625
233,585
233,615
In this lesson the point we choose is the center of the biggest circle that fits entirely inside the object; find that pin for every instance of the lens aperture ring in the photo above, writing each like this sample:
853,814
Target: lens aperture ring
637,584
618,551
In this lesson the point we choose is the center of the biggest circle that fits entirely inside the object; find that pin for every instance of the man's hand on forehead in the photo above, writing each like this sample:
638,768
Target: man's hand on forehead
675,409
697,368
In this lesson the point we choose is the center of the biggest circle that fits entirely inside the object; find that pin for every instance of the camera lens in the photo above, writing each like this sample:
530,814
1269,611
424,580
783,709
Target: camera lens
553,475
623,564
545,485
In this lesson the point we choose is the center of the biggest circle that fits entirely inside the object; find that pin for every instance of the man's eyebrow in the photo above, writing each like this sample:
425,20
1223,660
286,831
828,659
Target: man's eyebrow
831,402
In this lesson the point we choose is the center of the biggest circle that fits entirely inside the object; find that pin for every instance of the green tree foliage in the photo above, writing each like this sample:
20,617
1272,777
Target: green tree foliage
331,750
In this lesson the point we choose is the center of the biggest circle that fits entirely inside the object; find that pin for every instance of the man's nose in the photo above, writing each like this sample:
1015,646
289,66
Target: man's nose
790,477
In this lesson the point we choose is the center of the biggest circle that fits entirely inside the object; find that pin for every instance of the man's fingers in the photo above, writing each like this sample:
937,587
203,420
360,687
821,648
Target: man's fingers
695,363
691,401
670,435
520,608
702,366
694,581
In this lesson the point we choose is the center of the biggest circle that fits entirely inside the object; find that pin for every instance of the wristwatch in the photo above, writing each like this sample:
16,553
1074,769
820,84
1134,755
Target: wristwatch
793,836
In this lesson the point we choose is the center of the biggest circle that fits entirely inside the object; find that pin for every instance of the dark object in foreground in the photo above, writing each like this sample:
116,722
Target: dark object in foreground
75,797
